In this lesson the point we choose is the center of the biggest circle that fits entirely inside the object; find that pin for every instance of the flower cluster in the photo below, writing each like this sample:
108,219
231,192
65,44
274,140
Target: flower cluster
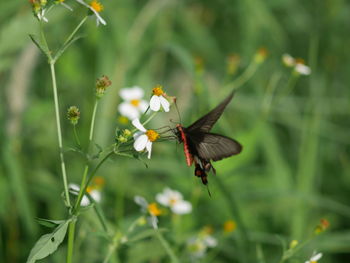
73,114
315,257
297,64
101,85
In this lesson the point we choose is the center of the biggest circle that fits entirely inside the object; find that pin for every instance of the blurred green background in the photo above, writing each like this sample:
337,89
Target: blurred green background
293,171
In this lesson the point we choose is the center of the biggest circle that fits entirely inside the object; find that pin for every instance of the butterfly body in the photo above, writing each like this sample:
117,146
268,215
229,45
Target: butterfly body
201,147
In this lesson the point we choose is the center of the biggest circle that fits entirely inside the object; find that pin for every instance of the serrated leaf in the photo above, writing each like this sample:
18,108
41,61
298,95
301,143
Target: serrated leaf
43,48
48,243
65,46
49,223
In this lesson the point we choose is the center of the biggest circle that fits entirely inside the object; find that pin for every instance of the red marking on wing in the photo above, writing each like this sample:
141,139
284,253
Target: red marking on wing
188,155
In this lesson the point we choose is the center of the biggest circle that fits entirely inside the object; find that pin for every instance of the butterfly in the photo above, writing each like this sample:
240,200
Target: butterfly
201,147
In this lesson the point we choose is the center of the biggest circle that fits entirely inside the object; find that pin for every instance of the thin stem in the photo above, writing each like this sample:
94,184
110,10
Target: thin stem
92,125
75,30
58,125
166,246
244,77
76,137
111,249
71,230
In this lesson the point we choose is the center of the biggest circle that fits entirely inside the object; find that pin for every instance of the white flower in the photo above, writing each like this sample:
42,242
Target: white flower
158,100
95,7
151,209
174,200
85,201
133,105
144,138
197,246
61,2
314,258
288,60
302,69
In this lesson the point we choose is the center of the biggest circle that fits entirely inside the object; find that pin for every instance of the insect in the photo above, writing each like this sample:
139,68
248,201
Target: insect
201,147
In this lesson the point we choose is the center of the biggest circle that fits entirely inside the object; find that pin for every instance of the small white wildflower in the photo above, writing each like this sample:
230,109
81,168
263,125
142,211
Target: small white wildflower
133,105
144,138
288,60
41,15
159,100
151,209
174,200
198,246
302,69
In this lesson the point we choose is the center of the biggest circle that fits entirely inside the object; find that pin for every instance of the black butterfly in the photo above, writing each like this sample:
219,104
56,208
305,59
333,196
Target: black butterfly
201,146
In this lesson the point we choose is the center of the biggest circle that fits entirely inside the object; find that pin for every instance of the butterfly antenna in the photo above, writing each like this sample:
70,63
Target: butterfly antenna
177,109
208,191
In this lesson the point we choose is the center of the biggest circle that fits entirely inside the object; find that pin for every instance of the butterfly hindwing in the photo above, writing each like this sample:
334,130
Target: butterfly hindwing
211,146
205,123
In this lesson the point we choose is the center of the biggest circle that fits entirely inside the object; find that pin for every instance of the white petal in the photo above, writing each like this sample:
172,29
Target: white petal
85,201
149,148
154,103
128,110
134,93
165,103
96,195
74,188
163,199
140,143
288,60
153,220
302,69
137,134
138,125
182,207
141,201
98,17
316,257
143,106
210,241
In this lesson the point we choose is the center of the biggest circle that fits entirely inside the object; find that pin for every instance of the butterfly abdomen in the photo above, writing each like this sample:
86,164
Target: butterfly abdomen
182,137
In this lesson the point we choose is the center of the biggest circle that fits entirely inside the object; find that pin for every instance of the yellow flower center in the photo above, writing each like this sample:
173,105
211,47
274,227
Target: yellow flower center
300,61
154,210
314,261
97,6
172,201
229,226
158,90
152,135
135,103
89,189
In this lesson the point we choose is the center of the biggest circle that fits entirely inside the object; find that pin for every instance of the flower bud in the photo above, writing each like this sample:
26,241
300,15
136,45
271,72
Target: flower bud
73,114
260,55
101,85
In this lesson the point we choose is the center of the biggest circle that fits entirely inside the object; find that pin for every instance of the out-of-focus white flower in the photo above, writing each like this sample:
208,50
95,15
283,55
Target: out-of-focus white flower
314,258
149,208
288,60
174,200
158,99
198,246
302,69
95,7
85,201
144,138
62,2
133,105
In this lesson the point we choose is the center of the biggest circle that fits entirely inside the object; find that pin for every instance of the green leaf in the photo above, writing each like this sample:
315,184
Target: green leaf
65,46
48,243
38,42
49,223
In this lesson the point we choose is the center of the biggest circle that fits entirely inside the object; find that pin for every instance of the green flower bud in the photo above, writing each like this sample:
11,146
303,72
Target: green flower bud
73,114
101,85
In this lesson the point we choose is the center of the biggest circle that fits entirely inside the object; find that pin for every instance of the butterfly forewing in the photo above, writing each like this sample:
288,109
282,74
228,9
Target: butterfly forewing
205,123
210,146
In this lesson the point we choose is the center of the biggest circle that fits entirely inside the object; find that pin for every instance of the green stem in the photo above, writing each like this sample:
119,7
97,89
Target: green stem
166,246
244,77
58,125
75,30
76,137
92,125
71,230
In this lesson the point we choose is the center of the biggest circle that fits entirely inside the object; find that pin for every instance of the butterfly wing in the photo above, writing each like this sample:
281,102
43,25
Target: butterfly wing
205,123
211,146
